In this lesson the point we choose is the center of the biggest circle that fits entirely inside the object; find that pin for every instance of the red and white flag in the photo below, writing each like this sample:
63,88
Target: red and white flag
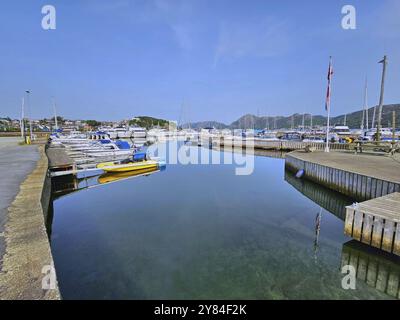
328,91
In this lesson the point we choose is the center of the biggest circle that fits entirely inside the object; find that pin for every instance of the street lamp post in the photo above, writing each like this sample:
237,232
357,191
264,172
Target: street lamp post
30,112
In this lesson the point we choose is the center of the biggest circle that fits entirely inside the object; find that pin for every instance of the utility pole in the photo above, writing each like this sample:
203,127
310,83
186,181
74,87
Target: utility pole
378,130
30,113
344,120
311,121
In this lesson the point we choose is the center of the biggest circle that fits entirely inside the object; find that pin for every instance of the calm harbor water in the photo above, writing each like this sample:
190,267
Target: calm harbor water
201,232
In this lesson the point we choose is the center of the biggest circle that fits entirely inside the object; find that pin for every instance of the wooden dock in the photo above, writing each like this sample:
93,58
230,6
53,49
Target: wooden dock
376,222
361,177
263,144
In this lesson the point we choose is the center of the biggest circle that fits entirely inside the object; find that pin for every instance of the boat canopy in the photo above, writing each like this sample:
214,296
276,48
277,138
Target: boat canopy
139,156
123,145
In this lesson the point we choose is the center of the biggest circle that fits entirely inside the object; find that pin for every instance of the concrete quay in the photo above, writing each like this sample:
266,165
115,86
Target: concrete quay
25,194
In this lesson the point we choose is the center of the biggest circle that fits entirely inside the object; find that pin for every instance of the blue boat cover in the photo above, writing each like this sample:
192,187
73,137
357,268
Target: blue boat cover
104,141
140,156
123,145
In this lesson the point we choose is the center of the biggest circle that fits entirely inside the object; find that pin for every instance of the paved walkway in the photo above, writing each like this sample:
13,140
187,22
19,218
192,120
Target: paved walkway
375,166
16,162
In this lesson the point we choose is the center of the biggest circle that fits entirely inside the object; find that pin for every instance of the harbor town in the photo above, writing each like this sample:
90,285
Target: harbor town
123,199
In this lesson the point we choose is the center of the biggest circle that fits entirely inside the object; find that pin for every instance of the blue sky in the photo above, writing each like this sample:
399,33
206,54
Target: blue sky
220,58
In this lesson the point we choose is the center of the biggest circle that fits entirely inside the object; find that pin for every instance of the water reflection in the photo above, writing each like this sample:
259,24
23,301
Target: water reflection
374,267
317,231
332,201
277,154
201,232
66,184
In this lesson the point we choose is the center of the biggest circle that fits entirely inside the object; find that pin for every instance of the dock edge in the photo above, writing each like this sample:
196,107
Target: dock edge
28,251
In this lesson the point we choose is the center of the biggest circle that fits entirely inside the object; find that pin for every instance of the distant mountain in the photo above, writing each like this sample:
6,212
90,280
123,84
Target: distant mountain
353,120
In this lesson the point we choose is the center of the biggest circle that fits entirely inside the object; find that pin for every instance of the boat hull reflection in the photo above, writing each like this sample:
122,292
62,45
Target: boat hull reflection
65,185
117,176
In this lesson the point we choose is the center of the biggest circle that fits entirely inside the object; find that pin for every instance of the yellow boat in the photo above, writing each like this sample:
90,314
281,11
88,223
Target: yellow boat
125,167
116,176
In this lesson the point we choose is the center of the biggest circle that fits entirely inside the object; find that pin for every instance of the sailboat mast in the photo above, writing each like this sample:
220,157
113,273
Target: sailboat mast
373,118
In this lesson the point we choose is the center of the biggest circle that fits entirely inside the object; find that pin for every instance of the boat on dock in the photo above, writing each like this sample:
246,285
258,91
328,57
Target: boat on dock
126,167
139,161
118,176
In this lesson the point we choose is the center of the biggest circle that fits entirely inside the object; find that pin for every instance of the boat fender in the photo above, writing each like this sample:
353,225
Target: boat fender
300,173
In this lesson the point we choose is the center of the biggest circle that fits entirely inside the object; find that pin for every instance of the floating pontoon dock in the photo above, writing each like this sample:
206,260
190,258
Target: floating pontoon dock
361,177
376,222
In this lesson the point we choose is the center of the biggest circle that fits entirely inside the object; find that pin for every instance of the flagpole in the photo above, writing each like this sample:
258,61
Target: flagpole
327,128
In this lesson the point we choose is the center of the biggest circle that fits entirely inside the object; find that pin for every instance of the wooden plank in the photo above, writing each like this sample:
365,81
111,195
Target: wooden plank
388,232
367,229
385,187
396,244
363,187
377,232
368,188
348,224
357,226
379,188
373,188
